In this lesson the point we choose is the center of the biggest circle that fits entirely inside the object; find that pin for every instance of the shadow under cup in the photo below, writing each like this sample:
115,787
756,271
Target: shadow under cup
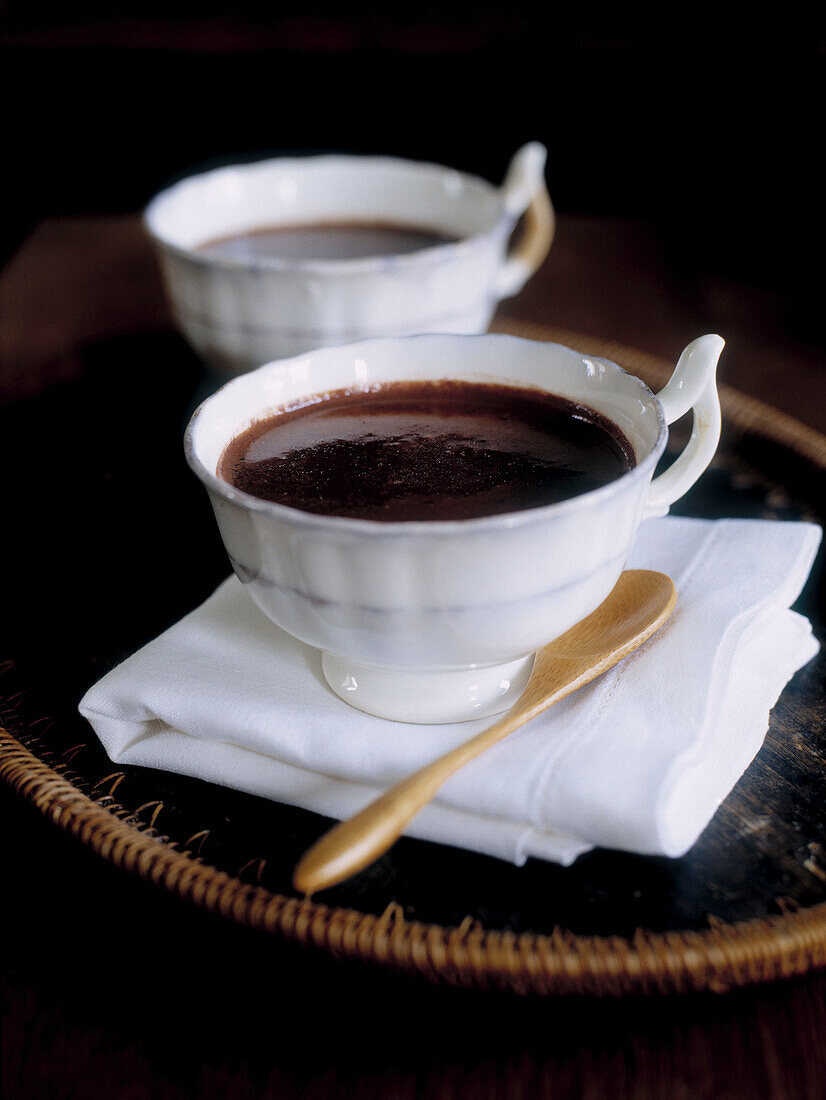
430,621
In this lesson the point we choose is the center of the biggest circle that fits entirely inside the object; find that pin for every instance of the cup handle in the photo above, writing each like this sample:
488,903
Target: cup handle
691,386
524,193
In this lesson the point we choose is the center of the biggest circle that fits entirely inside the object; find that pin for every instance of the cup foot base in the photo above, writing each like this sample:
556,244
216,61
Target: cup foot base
428,696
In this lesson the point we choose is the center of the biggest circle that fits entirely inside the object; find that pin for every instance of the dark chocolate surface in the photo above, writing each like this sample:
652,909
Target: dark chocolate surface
427,451
324,241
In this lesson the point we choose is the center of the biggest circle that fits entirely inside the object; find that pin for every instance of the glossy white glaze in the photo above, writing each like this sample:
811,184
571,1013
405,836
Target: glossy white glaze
240,314
430,695
447,595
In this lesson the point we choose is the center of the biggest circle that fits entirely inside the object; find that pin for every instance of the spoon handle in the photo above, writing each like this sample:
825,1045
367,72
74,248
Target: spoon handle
639,604
357,842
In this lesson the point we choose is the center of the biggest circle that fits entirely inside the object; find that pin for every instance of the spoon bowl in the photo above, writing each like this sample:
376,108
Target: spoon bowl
637,606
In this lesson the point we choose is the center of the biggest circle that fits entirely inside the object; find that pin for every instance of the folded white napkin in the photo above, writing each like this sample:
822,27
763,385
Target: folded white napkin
639,760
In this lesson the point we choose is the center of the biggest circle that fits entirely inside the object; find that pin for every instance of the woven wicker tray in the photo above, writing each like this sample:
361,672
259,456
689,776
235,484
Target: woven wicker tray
746,905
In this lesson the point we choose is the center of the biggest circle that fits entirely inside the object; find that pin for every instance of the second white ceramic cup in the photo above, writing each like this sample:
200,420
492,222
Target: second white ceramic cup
238,314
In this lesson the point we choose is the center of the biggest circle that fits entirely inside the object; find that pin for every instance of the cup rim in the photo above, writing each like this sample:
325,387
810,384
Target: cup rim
423,528
502,227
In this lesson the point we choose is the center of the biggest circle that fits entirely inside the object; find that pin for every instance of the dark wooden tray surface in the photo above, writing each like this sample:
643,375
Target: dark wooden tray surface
111,539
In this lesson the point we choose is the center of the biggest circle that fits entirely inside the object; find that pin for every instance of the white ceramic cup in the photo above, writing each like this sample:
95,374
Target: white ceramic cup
438,621
238,314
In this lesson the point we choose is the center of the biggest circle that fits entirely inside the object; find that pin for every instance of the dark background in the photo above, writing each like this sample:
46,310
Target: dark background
709,127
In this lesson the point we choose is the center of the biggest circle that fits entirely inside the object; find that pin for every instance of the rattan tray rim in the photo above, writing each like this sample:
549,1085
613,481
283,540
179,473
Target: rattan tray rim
716,959
721,957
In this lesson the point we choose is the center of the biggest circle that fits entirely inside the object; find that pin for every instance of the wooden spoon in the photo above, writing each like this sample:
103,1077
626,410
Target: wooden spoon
639,604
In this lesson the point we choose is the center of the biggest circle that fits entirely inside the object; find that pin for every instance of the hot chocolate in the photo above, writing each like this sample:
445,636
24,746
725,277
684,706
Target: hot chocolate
350,240
427,451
